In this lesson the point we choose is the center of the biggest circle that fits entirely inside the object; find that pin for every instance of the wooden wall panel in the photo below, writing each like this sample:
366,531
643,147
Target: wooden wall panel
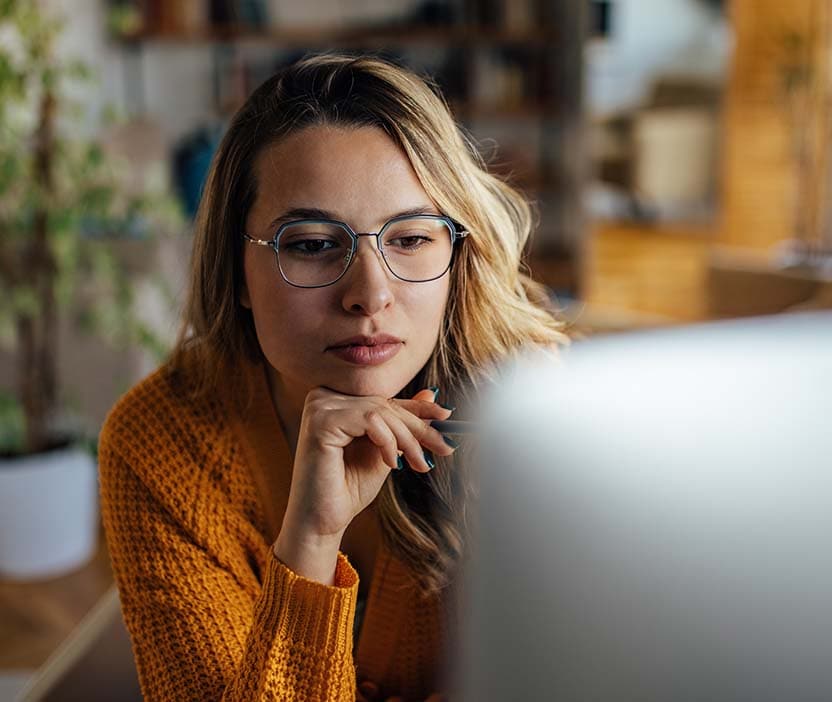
759,156
656,271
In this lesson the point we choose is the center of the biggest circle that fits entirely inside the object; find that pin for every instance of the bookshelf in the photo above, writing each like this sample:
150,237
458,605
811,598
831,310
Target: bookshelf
510,70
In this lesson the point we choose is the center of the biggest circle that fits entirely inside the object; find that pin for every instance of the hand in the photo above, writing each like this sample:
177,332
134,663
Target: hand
346,447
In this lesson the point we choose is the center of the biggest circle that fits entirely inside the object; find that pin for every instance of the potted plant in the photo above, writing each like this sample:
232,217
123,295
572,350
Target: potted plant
61,207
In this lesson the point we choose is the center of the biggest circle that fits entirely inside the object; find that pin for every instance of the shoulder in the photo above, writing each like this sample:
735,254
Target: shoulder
140,404
147,408
161,420
162,447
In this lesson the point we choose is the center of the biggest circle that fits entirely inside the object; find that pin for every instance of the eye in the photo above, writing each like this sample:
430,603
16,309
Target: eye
310,247
410,241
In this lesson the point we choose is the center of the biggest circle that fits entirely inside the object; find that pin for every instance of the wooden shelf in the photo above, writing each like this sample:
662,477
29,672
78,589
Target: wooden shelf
524,109
357,36
698,228
468,110
509,71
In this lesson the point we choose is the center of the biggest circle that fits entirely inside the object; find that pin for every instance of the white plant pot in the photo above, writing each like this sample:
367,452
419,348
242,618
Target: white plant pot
48,513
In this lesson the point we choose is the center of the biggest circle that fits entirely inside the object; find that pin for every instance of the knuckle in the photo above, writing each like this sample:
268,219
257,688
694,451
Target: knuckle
315,393
321,400
371,416
314,400
414,443
423,431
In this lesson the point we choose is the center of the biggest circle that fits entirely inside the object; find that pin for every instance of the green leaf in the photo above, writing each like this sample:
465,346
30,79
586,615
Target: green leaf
10,171
12,424
49,78
94,155
79,70
25,302
8,324
87,320
7,8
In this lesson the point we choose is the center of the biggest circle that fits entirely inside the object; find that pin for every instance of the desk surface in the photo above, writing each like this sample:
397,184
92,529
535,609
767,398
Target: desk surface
35,617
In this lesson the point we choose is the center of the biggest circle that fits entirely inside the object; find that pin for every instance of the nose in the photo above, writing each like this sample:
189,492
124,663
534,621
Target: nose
368,284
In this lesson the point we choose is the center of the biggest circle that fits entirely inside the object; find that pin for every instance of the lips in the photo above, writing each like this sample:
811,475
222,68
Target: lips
367,350
360,340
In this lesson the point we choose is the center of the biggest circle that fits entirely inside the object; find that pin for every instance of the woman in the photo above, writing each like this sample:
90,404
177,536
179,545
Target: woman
353,261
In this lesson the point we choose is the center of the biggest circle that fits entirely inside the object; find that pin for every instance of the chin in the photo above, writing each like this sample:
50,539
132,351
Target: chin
366,384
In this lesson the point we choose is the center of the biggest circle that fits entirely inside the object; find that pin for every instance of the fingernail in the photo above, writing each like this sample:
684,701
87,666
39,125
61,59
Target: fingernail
448,440
399,463
450,409
429,461
435,391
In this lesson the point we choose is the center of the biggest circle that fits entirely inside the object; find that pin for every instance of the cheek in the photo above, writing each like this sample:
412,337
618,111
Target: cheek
288,331
273,303
427,307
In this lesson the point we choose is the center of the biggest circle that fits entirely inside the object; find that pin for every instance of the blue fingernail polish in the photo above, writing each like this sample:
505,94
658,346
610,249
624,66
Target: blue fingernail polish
450,409
435,391
448,440
429,461
399,463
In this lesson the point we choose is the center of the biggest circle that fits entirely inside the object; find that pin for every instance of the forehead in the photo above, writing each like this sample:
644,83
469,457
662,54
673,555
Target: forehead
345,170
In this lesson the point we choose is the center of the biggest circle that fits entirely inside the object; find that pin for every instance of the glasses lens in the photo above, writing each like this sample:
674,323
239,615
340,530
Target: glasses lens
417,248
313,253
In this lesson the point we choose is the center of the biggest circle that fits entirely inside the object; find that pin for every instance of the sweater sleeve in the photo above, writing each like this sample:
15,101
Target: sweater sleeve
199,632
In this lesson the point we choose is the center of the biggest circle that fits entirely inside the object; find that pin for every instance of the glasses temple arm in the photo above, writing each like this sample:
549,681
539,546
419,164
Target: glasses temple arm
259,242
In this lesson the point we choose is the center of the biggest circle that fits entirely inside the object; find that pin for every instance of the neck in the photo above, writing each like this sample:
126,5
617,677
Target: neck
288,403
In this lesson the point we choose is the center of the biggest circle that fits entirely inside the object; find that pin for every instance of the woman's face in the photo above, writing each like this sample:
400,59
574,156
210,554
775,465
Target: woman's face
361,177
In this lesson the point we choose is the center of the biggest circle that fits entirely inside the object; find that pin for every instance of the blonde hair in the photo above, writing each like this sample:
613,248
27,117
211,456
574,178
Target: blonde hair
494,308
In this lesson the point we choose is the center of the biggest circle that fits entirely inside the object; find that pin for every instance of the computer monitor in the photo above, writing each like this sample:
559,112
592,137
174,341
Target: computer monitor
655,520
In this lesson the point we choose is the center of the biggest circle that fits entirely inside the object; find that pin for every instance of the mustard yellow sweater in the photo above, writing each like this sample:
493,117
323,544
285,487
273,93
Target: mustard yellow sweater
192,497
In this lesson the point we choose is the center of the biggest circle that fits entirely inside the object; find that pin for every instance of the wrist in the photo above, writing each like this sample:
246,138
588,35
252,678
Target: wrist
312,556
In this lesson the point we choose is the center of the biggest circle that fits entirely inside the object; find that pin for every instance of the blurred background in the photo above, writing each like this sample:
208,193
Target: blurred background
677,153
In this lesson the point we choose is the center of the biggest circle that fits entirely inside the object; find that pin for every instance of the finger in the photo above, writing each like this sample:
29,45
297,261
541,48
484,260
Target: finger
408,443
430,395
426,435
424,408
348,420
427,394
380,434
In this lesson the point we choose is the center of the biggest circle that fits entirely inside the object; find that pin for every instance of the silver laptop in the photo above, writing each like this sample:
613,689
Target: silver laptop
656,520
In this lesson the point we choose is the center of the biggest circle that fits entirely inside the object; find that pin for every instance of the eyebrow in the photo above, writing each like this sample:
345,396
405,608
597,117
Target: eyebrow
317,213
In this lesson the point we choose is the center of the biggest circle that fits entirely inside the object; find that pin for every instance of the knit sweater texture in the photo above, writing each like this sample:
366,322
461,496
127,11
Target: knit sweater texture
192,497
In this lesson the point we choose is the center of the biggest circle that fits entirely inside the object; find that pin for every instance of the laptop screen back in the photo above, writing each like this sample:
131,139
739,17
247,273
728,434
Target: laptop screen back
655,520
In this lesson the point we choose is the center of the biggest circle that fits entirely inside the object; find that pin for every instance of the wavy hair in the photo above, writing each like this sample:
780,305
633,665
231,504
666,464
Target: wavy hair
494,309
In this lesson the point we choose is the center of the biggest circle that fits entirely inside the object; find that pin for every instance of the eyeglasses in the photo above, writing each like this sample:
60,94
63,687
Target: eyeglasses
314,253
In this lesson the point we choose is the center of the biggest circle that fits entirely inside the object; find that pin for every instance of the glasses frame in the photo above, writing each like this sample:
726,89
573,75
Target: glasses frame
454,228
